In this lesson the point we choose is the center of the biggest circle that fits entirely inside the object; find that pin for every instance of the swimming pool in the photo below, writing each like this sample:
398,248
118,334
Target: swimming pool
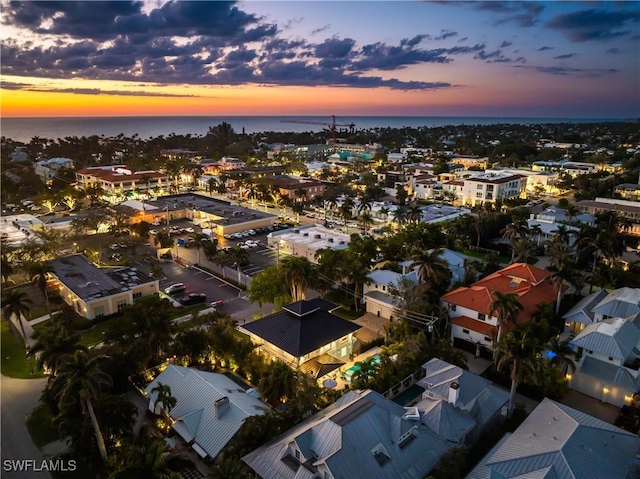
348,374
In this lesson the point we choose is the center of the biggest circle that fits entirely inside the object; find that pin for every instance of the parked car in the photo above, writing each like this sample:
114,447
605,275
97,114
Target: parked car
174,289
216,303
193,298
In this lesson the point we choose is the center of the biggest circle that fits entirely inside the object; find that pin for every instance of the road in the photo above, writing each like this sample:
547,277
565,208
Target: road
19,397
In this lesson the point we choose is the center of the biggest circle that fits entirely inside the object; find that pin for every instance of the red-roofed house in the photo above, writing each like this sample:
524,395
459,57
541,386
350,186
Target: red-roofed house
473,324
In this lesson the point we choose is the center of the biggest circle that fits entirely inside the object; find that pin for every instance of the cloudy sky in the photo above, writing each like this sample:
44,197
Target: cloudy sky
440,58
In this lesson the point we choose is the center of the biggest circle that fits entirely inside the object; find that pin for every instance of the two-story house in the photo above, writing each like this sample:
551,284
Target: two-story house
548,222
490,187
363,435
48,169
608,361
474,326
306,336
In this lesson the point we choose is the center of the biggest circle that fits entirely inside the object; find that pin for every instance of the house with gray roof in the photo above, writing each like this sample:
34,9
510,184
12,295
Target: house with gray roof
582,313
95,292
306,336
362,435
608,361
558,442
210,407
469,399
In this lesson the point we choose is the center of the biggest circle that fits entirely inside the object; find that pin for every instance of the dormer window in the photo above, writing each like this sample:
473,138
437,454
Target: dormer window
297,454
381,455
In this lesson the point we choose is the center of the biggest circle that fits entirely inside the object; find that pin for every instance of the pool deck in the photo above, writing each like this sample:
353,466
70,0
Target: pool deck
337,374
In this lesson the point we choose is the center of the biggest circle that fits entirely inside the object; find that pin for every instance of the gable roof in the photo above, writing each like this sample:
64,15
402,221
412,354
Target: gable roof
614,337
476,394
358,437
582,312
299,334
556,441
532,285
195,415
619,303
446,420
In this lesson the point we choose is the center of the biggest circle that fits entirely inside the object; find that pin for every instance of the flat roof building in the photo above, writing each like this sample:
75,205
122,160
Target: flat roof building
95,292
307,240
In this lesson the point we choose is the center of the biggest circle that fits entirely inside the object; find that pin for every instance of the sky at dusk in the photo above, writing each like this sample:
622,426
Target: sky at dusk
441,58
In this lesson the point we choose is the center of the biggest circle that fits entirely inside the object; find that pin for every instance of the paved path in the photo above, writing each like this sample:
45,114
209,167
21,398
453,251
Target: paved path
19,397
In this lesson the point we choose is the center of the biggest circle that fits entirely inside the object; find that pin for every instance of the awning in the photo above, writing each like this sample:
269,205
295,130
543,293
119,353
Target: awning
201,452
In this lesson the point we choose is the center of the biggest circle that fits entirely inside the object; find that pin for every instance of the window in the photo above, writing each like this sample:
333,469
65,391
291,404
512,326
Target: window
482,316
610,358
465,331
98,312
120,305
479,187
137,295
479,194
453,307
487,338
297,454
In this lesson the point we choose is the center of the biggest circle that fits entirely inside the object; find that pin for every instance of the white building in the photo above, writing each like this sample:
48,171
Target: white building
48,169
538,182
489,187
306,241
551,219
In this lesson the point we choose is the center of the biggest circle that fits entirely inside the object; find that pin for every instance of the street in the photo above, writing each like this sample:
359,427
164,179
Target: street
19,397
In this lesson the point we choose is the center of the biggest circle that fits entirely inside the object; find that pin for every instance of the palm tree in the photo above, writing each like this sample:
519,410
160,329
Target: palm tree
505,307
522,249
345,210
82,378
479,223
564,355
38,274
150,460
55,348
368,369
16,303
228,467
239,256
198,239
433,270
535,231
512,232
6,268
560,272
278,383
562,234
330,203
299,273
222,259
164,398
518,351
366,220
414,214
399,215
211,185
384,211
356,274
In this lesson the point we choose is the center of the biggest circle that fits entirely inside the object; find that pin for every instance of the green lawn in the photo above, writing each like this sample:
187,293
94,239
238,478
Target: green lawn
14,362
96,334
40,426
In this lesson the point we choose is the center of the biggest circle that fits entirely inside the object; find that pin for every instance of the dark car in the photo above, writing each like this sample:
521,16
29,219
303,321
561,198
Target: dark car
193,298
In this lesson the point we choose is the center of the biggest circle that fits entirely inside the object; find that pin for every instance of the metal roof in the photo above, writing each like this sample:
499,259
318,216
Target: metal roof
614,337
343,439
620,303
610,373
582,312
195,413
447,421
300,335
558,441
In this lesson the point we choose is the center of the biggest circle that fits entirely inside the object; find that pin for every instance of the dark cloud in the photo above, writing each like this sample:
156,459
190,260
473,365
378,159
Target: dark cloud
585,25
321,29
463,39
545,48
335,48
613,51
524,14
87,91
497,56
444,34
565,71
505,44
385,57
565,56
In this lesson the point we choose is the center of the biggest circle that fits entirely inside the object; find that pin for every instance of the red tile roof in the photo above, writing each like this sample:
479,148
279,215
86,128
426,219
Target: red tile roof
533,286
474,325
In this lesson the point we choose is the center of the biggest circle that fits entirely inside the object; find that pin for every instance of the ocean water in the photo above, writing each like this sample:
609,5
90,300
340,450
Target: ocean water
24,129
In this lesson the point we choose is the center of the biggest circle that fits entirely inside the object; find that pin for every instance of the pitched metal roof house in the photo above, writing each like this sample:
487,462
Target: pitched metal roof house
558,442
472,322
363,435
582,313
608,367
210,408
476,396
302,331
619,303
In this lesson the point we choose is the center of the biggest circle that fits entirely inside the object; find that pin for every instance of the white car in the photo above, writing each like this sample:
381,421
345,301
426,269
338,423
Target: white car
252,232
153,232
189,229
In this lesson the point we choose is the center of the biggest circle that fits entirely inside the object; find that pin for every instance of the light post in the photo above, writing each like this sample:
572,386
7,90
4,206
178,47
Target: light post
75,248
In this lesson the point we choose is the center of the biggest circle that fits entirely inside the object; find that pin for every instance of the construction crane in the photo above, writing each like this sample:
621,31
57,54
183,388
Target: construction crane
331,125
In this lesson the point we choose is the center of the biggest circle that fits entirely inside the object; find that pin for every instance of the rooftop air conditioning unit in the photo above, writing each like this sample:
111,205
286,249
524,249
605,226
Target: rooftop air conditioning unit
330,240
317,236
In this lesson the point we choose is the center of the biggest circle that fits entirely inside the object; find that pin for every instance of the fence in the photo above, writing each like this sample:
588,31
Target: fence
403,385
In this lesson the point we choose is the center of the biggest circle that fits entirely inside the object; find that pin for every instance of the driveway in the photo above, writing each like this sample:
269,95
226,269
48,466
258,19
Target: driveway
19,397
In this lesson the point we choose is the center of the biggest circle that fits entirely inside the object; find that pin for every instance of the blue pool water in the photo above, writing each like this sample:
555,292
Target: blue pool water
348,374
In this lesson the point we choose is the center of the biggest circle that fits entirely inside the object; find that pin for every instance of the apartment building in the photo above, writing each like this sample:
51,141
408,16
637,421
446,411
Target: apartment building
119,179
48,169
489,187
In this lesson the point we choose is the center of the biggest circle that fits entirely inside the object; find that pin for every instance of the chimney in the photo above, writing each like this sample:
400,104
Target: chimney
221,405
454,393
